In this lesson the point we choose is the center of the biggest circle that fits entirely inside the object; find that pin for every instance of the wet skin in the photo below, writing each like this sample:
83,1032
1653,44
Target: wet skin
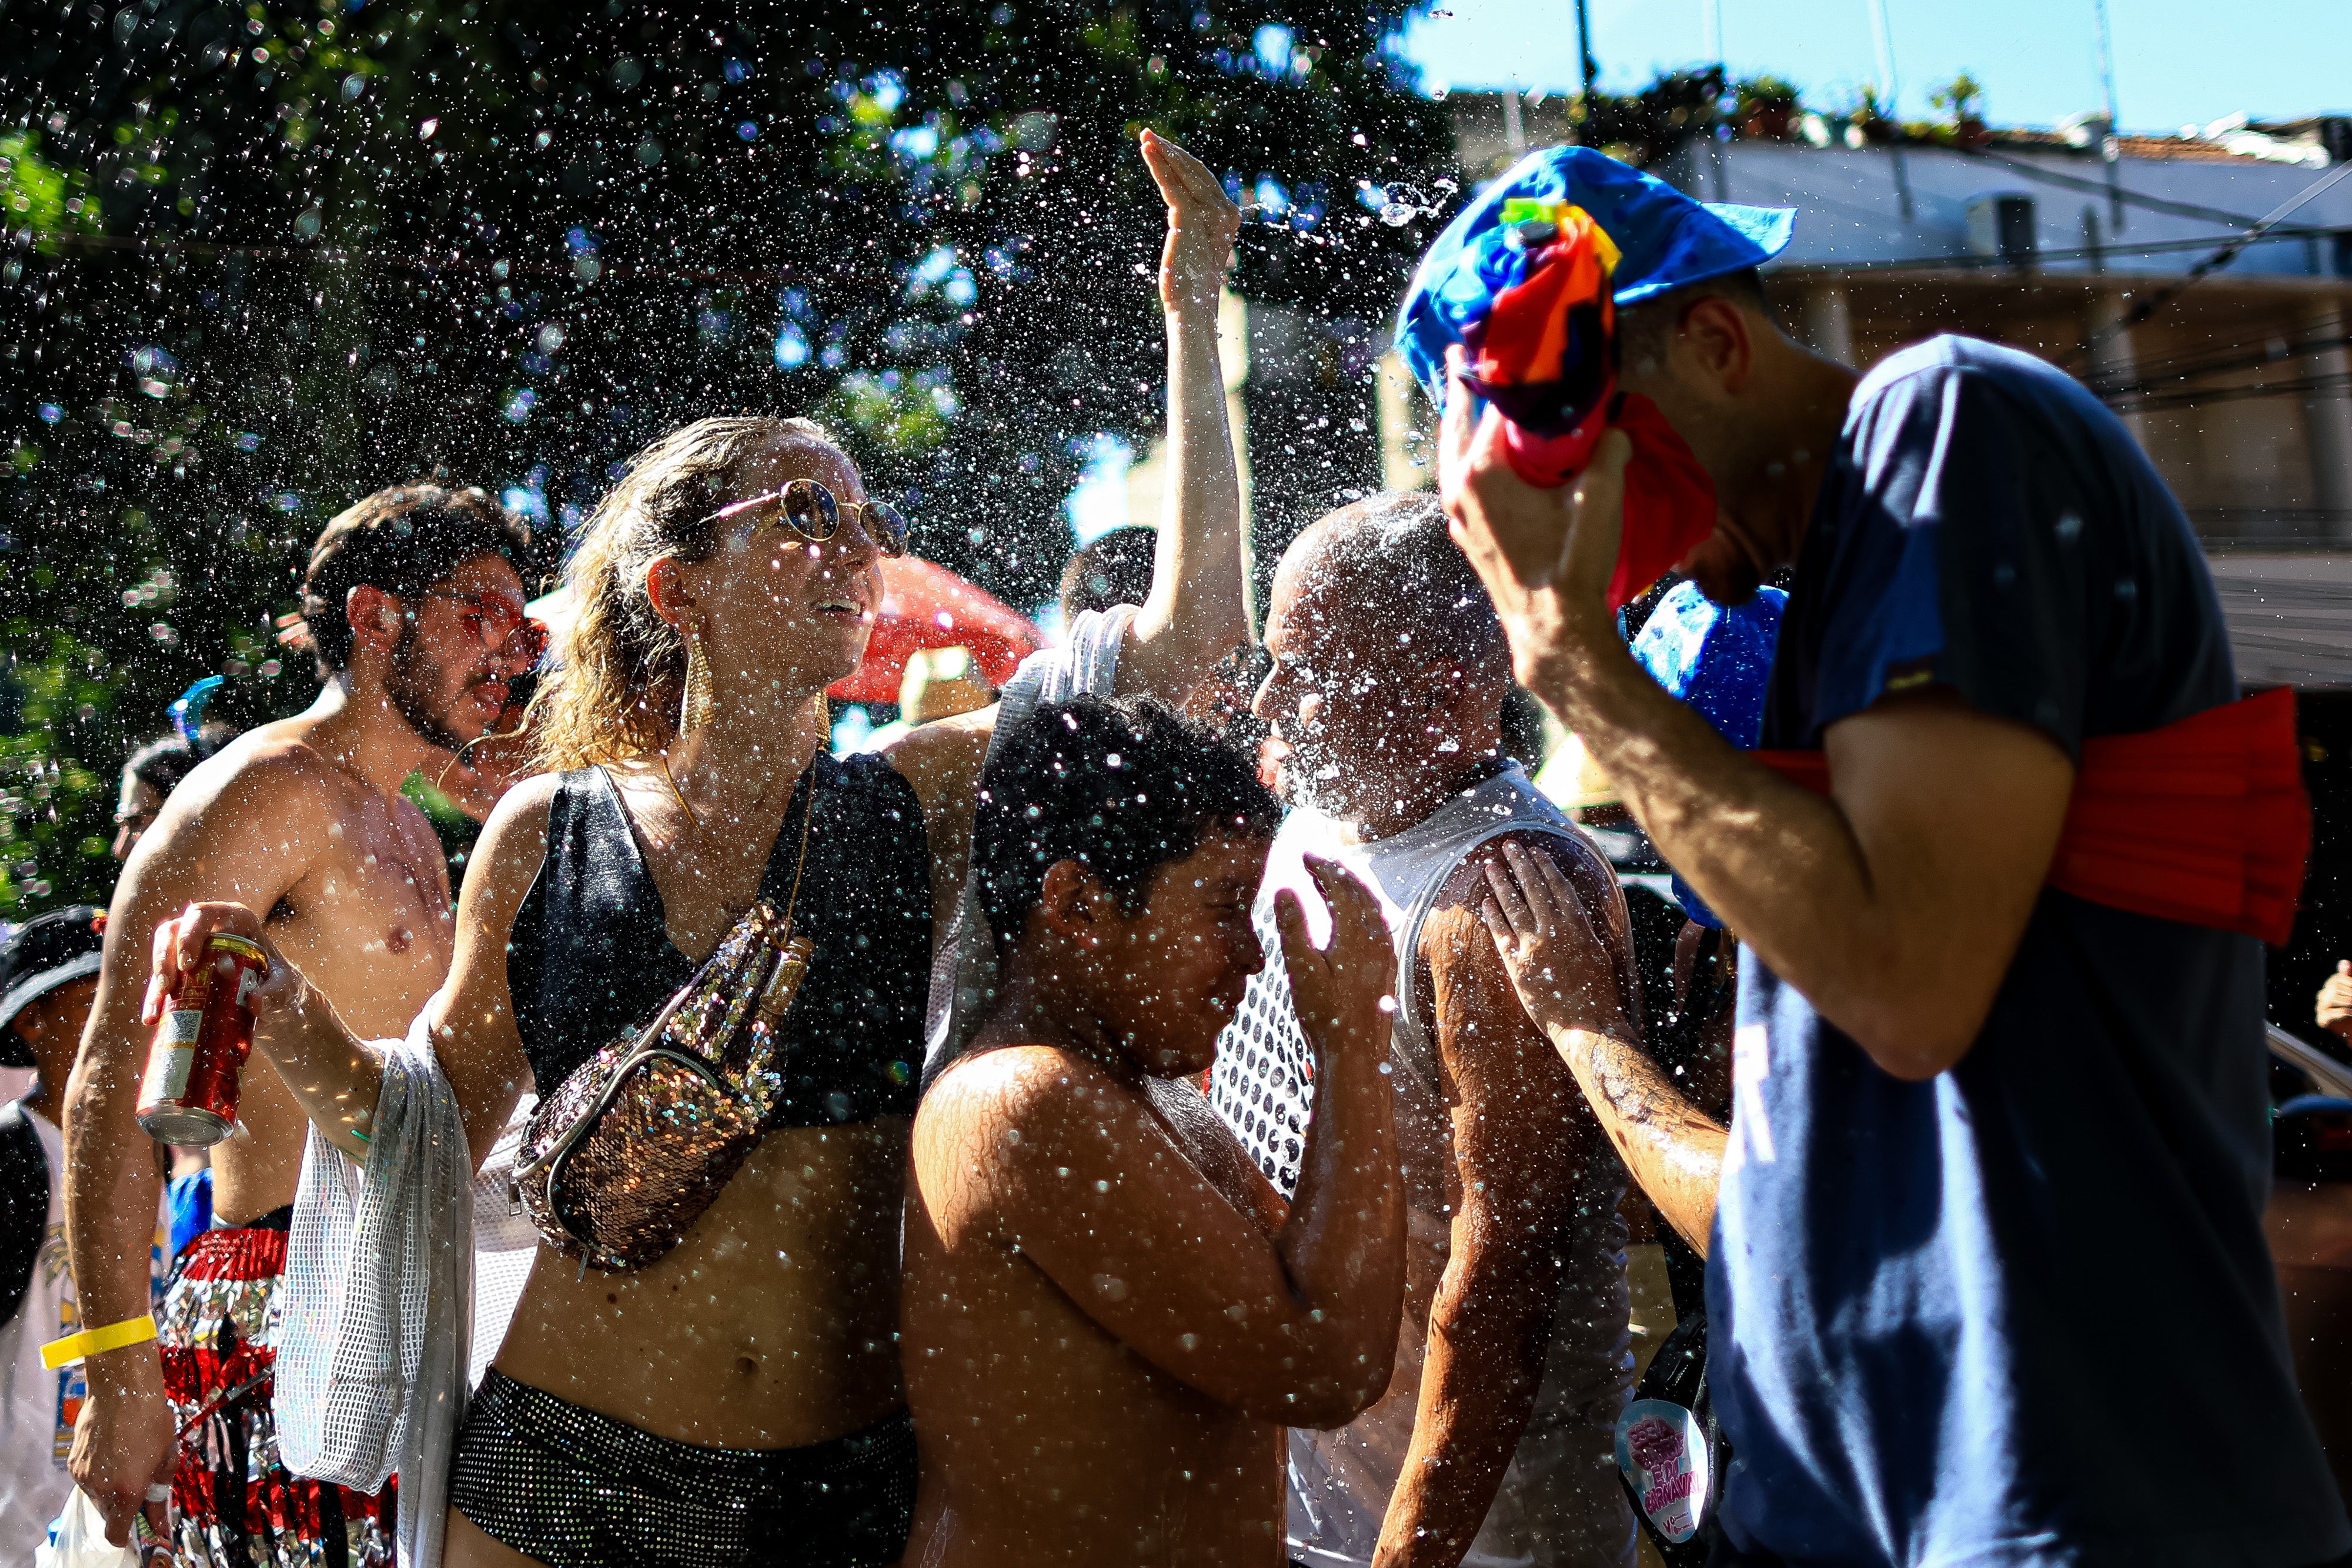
1109,1318
366,913
301,821
771,1324
1378,724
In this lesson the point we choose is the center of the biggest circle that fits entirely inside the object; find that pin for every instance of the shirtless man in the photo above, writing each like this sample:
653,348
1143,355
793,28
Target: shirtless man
414,605
1107,1319
1492,1443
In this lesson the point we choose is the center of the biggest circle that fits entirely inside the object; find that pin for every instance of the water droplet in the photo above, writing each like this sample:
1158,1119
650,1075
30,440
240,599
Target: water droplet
1396,214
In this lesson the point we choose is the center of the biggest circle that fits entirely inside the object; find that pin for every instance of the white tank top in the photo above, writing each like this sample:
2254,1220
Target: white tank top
1559,1503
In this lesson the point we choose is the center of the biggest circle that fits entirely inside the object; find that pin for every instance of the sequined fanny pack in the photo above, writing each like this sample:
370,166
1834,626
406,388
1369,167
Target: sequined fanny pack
629,1150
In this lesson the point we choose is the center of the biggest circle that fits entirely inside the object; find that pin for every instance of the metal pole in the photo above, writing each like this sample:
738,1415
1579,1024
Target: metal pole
2106,63
1584,50
1883,37
1711,23
2110,146
1885,40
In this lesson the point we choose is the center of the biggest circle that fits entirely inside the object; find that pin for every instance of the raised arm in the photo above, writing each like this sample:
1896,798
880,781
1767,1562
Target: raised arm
1196,611
1090,1185
1521,1143
250,835
1896,904
1561,970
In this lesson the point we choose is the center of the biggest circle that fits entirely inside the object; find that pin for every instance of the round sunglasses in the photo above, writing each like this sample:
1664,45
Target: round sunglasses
502,630
809,510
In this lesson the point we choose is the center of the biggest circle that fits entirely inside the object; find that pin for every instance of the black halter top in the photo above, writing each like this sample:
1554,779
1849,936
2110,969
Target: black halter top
592,957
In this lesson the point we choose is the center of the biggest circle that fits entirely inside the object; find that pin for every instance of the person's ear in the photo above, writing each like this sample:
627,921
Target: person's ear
375,617
1072,902
1719,344
667,590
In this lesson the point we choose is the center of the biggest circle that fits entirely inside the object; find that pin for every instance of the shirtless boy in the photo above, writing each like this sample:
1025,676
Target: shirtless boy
1107,1322
413,602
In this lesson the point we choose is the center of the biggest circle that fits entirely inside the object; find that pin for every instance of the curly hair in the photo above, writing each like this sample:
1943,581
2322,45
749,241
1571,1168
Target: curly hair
620,667
402,540
1120,787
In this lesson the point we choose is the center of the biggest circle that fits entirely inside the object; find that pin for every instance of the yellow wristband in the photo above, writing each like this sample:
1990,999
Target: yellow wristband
94,1342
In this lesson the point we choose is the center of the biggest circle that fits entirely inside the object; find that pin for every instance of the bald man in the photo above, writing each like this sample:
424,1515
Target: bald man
1493,1443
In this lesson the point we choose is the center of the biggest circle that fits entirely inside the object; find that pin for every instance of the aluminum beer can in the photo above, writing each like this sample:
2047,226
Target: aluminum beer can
189,1095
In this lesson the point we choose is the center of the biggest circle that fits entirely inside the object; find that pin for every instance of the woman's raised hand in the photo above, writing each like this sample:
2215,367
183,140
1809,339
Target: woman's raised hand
1203,224
1564,976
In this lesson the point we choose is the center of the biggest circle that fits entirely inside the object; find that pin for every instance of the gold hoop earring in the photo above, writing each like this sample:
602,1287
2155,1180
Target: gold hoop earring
701,702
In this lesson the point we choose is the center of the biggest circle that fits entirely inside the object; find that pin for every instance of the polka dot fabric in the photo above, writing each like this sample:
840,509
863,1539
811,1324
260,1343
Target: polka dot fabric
1263,1083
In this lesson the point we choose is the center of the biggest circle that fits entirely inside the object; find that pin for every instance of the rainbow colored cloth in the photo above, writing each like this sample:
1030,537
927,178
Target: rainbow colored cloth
1544,354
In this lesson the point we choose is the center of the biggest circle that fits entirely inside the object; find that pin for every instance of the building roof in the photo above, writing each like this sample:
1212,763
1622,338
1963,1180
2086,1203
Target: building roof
2176,211
2182,197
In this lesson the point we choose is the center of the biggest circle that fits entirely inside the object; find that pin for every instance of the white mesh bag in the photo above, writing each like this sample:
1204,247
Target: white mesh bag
505,1242
376,1307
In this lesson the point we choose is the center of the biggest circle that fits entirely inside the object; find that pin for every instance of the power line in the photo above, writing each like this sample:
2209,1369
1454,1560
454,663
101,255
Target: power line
2334,384
2153,372
2223,257
2101,188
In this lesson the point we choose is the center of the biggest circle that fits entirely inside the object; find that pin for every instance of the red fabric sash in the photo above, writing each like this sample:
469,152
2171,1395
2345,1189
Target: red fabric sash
2204,821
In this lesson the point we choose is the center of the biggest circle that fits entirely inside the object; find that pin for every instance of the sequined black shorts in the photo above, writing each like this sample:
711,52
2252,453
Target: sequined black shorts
576,1490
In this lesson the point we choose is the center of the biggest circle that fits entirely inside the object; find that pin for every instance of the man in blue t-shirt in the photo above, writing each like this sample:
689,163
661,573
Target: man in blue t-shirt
1989,1276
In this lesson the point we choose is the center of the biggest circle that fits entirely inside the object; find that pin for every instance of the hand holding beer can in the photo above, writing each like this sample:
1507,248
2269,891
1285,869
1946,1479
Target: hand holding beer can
189,1093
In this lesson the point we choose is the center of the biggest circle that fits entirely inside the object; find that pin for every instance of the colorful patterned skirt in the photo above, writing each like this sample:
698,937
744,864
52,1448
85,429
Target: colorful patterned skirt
234,1504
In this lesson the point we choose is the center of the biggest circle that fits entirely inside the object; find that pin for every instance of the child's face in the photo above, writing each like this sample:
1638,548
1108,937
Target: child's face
1176,970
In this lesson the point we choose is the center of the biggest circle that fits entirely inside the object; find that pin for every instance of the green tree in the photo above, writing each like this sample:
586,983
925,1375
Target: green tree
264,258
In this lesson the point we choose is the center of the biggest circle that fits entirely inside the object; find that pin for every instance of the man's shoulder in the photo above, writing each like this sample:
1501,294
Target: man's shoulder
1953,374
1008,1115
1464,887
1012,1087
276,758
273,776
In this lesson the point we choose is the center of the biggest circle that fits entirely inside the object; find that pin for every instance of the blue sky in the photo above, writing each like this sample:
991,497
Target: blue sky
2177,61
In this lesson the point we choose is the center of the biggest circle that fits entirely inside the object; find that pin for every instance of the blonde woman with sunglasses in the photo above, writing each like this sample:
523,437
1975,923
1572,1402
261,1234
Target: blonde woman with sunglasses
740,1396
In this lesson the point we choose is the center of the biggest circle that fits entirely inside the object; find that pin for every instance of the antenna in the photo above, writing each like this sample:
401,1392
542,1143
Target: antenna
2110,145
1885,40
2106,72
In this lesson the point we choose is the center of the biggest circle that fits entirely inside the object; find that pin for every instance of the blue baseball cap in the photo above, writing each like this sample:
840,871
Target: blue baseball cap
1716,658
1665,239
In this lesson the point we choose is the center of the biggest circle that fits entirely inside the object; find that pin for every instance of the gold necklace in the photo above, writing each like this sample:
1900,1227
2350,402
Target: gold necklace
679,796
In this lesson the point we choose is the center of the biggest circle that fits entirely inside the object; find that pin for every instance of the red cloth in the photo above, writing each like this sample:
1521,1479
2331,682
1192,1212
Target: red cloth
1545,358
925,605
234,1502
2203,821
1669,498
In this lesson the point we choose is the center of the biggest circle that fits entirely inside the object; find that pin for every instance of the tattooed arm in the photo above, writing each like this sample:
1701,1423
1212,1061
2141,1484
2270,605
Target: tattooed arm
1670,1147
